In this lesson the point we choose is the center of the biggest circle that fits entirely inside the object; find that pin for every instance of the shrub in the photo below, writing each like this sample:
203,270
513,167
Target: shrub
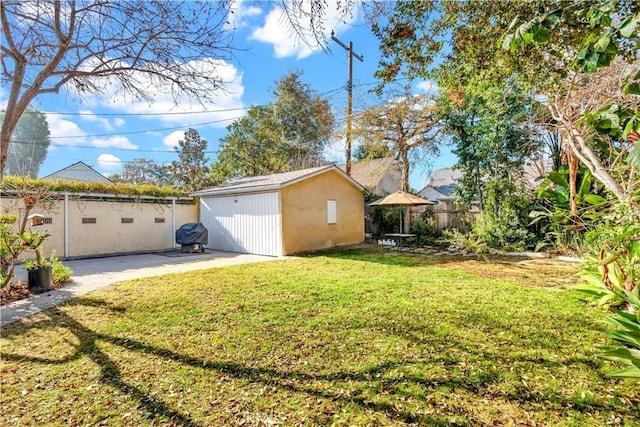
60,273
466,242
613,276
425,228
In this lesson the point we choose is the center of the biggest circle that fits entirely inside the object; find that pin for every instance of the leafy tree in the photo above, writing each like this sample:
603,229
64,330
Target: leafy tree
403,126
602,31
190,172
486,123
304,118
287,134
28,144
561,36
143,171
368,149
93,46
253,146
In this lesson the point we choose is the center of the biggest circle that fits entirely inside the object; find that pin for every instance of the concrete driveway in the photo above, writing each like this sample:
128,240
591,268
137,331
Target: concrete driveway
95,273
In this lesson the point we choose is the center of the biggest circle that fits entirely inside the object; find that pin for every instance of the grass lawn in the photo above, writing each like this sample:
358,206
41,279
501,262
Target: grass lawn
351,337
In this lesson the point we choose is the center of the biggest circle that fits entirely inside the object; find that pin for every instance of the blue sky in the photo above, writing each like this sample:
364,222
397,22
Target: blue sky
106,131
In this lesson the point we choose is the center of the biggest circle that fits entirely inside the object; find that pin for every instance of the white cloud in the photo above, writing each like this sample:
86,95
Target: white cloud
118,122
238,14
90,116
109,162
115,141
286,42
173,138
429,87
225,106
59,126
67,133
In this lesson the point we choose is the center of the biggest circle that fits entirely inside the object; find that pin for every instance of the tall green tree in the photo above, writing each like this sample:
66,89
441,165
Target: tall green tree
304,117
289,133
191,171
29,144
252,146
487,124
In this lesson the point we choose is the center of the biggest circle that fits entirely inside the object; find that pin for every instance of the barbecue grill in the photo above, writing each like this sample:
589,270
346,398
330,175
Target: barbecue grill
192,237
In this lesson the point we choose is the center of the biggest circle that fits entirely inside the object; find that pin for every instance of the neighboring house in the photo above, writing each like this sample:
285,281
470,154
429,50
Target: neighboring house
440,190
440,187
443,182
284,213
379,176
79,171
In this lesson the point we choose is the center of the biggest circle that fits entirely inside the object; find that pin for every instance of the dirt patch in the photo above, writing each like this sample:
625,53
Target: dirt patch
545,273
17,291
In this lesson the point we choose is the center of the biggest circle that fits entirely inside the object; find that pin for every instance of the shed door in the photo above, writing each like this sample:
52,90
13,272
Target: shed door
244,223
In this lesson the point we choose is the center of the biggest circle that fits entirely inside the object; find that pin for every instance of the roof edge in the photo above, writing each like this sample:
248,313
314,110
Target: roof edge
275,187
332,166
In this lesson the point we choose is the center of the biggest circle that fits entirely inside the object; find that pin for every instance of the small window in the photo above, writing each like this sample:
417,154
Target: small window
159,220
88,220
331,212
126,220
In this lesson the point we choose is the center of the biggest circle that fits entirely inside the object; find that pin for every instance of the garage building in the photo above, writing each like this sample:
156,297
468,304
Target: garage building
285,213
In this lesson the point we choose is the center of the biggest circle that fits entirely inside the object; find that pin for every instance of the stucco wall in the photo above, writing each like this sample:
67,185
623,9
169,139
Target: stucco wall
304,214
96,227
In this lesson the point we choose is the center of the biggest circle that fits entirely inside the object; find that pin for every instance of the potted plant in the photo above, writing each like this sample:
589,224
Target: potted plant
39,277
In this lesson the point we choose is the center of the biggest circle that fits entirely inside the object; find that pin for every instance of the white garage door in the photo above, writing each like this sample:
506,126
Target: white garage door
244,223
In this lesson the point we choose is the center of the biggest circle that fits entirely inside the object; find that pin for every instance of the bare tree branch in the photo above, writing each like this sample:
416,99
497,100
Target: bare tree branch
96,46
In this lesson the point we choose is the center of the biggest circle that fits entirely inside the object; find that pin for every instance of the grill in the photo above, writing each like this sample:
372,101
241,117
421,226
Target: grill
192,237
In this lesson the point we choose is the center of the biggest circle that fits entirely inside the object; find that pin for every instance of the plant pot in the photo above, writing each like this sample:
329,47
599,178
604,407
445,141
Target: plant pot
39,279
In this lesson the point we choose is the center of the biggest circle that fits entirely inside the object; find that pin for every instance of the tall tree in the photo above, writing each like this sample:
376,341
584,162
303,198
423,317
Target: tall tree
91,46
253,146
190,172
304,118
143,171
287,134
562,40
28,144
487,123
405,125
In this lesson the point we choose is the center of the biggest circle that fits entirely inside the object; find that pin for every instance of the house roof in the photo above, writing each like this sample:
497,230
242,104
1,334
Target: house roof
273,182
370,172
79,171
441,184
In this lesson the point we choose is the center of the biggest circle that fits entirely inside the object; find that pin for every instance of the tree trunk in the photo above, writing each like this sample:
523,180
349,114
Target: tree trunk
573,164
577,145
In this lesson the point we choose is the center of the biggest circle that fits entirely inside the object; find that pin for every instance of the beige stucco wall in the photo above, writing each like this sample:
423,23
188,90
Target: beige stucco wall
304,214
108,235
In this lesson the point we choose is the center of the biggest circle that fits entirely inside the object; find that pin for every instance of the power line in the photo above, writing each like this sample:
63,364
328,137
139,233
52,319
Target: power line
167,113
193,125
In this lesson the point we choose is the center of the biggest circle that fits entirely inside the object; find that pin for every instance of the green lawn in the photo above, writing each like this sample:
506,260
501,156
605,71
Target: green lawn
346,338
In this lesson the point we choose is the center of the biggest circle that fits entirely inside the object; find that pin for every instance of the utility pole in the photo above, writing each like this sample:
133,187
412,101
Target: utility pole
349,49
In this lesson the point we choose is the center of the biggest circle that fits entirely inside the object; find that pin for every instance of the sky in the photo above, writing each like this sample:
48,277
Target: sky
106,131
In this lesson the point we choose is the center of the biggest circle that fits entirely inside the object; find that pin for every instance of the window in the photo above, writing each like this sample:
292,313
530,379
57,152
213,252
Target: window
331,212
